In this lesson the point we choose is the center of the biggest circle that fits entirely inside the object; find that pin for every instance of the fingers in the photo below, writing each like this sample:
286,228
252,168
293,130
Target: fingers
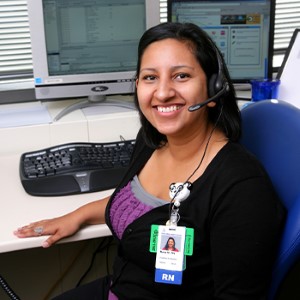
51,241
56,229
33,229
38,229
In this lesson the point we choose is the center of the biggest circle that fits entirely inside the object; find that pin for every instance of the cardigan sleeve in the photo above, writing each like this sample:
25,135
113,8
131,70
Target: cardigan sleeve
244,234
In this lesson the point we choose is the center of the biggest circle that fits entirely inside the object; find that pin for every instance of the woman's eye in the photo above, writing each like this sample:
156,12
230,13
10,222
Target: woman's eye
182,76
149,77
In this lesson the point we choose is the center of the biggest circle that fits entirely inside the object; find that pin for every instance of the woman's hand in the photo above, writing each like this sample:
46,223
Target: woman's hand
57,228
67,225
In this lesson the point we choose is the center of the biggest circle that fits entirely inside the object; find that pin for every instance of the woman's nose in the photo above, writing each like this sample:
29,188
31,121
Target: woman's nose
165,90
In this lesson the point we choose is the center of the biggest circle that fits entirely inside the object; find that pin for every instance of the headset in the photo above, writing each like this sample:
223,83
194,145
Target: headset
217,86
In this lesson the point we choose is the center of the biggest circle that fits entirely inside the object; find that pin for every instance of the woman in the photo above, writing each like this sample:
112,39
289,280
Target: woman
170,245
225,195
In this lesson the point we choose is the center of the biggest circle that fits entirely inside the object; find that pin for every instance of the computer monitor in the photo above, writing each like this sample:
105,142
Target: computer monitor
243,30
87,48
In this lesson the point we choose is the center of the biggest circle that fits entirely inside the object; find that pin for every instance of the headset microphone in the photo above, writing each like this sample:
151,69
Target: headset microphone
222,92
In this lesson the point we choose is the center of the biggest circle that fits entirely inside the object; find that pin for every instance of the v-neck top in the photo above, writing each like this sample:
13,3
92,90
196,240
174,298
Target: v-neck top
130,203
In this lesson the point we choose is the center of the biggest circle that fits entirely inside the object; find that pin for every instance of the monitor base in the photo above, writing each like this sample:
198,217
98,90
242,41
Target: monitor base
93,101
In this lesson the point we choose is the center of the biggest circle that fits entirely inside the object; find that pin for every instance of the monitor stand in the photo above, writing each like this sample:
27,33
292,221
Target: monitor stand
94,101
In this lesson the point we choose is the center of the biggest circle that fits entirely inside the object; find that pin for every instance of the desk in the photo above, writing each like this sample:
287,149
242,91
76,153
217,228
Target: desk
17,207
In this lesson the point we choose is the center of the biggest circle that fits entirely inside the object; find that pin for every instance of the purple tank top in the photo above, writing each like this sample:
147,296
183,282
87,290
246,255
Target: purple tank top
126,208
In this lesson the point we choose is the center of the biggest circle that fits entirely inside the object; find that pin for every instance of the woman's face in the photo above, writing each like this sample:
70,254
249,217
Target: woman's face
170,243
170,81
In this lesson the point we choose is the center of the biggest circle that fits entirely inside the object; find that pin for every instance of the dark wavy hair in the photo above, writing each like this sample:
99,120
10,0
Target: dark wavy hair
225,114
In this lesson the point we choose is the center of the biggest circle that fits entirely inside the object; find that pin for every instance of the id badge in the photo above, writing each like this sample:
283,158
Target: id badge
170,254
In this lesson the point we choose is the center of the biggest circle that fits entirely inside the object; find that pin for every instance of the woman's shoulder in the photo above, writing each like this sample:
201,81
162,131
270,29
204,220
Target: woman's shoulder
235,153
235,159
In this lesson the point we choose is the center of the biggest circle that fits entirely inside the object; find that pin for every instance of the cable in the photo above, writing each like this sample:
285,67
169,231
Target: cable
172,207
72,264
11,294
67,269
104,244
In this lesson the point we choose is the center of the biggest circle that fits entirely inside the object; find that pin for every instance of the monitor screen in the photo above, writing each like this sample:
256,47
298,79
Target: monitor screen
87,48
242,29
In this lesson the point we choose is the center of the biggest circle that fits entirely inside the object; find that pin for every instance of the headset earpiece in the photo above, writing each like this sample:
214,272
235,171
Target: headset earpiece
217,85
212,90
217,81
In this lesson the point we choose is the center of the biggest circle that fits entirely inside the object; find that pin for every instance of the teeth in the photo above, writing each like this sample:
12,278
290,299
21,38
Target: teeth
167,109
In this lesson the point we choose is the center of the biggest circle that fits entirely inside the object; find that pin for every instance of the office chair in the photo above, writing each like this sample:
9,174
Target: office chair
271,131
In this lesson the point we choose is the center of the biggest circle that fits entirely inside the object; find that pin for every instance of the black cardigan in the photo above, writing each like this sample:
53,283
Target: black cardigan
237,218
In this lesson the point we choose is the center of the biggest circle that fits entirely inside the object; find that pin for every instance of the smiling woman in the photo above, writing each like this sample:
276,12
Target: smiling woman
190,178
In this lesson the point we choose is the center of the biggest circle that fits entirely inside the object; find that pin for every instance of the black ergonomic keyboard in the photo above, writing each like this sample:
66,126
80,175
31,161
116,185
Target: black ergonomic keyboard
75,168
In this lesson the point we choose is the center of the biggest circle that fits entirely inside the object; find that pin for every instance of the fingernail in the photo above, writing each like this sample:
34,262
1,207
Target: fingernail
45,244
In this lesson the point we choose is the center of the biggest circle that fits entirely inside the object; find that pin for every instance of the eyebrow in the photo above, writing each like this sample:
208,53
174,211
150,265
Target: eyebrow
173,68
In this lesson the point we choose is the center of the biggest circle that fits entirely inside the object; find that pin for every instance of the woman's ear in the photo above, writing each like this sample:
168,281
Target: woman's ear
136,82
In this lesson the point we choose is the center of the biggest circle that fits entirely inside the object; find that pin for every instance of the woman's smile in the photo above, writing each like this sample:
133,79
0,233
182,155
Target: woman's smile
168,109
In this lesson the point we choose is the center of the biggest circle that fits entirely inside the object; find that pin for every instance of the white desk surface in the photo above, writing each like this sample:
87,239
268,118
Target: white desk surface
19,208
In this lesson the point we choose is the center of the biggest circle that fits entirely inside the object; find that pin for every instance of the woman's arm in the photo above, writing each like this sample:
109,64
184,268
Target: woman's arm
244,237
66,225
